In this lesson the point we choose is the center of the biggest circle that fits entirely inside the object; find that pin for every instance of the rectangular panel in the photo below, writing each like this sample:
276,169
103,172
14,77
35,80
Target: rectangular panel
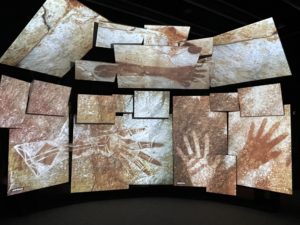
95,71
151,104
13,101
224,102
48,99
150,37
174,34
106,37
264,100
59,33
250,53
260,29
124,103
197,132
132,151
96,109
38,154
157,56
263,149
223,180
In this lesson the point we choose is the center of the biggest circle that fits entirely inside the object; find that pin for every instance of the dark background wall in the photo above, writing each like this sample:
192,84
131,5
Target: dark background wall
158,204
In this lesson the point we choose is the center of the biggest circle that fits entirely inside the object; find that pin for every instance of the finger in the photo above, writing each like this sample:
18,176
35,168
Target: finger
261,128
145,144
251,131
187,145
274,155
197,145
206,145
271,131
277,140
181,154
149,158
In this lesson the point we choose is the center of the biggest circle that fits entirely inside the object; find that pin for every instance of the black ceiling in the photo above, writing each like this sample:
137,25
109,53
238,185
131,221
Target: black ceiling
206,17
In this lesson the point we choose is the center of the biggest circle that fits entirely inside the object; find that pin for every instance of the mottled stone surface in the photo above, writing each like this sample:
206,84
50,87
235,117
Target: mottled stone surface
263,149
59,33
13,101
96,109
206,45
253,52
264,100
95,71
124,103
260,29
132,151
224,102
223,180
195,166
194,128
151,104
38,154
252,60
48,99
106,37
174,34
157,56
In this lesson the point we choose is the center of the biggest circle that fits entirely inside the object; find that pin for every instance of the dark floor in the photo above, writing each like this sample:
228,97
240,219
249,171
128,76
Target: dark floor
153,211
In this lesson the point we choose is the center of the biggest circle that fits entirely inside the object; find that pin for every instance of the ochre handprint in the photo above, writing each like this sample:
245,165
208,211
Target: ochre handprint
196,160
258,148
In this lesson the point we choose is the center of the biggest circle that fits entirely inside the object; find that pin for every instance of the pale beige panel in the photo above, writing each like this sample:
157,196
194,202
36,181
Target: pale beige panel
261,29
106,37
263,149
251,60
264,100
60,33
151,104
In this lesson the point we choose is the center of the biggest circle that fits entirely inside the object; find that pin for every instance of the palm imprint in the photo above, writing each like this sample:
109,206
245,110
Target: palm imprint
196,161
259,146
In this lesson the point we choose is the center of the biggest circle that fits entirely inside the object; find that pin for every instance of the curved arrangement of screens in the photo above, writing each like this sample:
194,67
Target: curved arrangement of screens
216,141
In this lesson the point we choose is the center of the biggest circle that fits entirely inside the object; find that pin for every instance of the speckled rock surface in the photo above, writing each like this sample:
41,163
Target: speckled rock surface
224,102
132,151
253,52
60,33
264,100
13,101
151,104
263,149
38,154
48,99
